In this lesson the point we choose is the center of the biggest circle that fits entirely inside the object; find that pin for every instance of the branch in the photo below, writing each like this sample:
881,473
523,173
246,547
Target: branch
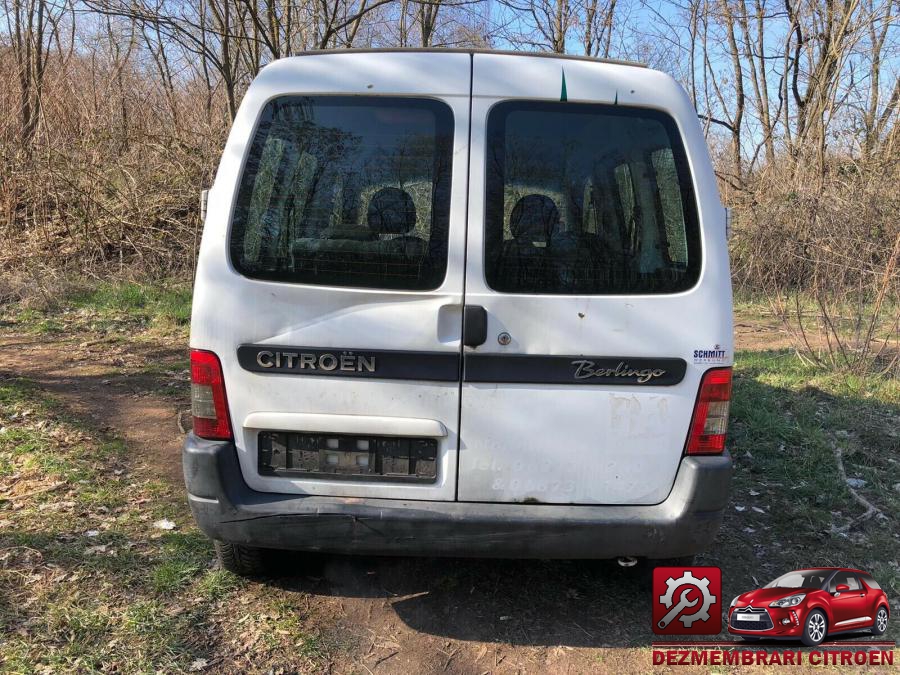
723,123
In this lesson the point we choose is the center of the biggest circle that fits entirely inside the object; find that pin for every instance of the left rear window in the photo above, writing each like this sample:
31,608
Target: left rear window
346,191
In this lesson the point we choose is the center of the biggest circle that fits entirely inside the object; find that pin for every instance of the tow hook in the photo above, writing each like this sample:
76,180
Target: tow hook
626,561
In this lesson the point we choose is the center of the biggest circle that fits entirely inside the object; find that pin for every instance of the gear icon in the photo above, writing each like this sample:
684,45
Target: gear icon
701,584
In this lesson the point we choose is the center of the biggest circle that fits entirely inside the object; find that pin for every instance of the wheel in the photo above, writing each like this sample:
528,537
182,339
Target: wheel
245,561
880,625
816,628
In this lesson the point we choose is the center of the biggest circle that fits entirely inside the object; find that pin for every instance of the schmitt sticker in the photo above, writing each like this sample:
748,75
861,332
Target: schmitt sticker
714,355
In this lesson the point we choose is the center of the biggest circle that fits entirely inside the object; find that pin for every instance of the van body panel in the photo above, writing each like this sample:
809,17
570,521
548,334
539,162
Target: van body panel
231,310
534,439
600,443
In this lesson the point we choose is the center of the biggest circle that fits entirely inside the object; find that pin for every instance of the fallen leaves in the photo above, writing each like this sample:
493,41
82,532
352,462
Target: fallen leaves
197,665
101,549
34,492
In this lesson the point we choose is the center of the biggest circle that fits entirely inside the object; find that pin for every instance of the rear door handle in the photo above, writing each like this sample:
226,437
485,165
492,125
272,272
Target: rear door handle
474,325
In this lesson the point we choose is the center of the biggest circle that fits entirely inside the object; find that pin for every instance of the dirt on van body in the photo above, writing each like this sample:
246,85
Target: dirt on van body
129,551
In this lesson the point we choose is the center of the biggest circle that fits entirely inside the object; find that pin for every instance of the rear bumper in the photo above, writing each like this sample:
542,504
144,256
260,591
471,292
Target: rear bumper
227,510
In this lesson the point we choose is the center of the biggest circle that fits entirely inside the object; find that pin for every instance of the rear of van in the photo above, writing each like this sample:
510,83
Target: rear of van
461,303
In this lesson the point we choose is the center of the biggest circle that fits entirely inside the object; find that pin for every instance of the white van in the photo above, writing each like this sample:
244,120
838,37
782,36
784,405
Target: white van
461,303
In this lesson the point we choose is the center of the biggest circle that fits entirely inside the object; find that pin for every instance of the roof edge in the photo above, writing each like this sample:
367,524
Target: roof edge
463,50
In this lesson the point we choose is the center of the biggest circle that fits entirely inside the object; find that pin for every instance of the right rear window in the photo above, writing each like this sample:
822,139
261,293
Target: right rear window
870,582
587,199
346,191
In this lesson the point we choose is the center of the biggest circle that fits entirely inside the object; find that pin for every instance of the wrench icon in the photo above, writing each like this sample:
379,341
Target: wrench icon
680,605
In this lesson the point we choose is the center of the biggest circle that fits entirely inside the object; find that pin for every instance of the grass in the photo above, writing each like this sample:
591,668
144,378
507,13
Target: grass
840,339
133,329
88,583
790,424
103,588
153,303
111,308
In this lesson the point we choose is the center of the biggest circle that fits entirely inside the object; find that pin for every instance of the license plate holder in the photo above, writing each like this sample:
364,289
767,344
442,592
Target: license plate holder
347,457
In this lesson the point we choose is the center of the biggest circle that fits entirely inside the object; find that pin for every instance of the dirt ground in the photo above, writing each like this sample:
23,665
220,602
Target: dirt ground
397,615
384,615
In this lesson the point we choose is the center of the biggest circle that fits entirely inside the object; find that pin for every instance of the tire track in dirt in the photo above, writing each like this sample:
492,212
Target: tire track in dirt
87,378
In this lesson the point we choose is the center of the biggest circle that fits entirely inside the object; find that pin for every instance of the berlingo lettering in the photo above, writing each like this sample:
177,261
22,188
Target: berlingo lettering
442,309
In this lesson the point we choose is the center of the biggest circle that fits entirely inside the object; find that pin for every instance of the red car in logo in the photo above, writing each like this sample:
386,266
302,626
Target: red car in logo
809,605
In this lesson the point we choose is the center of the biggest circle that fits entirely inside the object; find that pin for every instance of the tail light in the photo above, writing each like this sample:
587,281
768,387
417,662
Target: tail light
710,422
208,403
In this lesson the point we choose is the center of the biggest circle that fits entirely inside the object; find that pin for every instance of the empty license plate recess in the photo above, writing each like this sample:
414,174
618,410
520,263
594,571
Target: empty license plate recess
347,457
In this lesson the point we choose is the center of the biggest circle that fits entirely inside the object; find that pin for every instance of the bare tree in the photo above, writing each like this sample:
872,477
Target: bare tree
598,20
33,26
427,14
754,55
880,17
547,23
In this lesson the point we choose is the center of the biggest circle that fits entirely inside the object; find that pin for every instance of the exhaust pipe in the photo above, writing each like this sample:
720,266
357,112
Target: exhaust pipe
626,561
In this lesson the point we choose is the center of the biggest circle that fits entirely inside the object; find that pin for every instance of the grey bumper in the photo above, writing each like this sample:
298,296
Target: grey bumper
226,509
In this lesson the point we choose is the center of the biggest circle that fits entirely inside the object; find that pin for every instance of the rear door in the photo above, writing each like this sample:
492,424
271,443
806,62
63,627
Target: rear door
596,247
331,278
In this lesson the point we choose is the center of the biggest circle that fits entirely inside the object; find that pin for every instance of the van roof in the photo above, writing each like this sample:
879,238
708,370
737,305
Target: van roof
463,50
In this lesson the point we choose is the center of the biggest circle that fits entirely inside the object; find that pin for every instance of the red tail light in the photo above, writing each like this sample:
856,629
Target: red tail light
710,422
208,403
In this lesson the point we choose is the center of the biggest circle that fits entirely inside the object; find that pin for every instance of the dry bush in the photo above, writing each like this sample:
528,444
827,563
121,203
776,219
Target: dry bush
49,291
824,248
112,181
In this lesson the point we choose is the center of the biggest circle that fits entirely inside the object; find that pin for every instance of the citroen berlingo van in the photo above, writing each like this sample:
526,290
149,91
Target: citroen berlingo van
461,303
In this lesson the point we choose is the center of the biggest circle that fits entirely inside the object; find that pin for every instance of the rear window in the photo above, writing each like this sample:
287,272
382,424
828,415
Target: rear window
588,199
870,582
346,191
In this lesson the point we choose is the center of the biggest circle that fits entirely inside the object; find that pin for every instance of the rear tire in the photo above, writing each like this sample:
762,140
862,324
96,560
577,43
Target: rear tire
245,561
881,619
815,629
